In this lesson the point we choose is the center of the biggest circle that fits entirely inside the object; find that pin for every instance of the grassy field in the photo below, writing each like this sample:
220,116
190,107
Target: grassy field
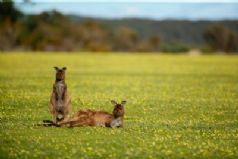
177,106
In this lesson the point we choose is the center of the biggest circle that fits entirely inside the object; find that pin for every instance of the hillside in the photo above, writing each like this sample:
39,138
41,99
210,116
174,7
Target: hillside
169,30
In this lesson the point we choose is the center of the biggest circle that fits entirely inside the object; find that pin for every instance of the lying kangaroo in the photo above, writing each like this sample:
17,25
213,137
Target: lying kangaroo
97,118
60,101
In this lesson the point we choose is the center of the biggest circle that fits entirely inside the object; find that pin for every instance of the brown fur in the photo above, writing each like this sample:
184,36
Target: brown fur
97,118
60,101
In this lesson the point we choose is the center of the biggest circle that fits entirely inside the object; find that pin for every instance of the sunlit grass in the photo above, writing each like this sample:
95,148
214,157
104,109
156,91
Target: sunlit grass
177,106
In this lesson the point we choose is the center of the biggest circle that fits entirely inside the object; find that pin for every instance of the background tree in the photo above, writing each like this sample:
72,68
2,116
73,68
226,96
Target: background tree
93,37
220,38
150,44
9,25
125,38
8,11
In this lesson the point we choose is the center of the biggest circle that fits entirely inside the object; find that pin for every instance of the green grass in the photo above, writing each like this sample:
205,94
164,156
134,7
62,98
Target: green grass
177,106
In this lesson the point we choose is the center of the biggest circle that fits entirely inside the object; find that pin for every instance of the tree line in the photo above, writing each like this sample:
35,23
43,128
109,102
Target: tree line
53,31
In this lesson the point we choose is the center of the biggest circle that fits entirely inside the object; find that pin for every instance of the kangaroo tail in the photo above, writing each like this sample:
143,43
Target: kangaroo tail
48,123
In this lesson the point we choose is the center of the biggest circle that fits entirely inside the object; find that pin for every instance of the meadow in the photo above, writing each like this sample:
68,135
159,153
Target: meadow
178,106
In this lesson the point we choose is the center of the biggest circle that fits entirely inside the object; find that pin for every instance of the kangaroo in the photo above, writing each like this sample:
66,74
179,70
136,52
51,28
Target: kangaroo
60,101
97,118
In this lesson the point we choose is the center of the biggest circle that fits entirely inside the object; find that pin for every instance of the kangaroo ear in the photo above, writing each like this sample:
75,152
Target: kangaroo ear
113,102
64,68
123,102
56,68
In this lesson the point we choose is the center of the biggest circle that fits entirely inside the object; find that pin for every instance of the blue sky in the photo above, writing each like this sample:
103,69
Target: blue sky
154,9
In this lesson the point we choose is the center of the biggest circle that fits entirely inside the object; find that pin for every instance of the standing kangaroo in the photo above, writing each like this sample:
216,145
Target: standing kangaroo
60,101
97,118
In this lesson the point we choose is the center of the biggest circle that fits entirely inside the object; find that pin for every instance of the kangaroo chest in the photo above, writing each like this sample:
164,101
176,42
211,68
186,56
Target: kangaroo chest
117,122
59,88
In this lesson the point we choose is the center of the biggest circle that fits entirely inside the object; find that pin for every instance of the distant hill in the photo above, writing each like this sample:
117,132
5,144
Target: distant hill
54,31
169,30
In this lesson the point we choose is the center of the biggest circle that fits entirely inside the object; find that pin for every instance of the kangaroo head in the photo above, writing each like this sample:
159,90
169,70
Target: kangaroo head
118,110
60,74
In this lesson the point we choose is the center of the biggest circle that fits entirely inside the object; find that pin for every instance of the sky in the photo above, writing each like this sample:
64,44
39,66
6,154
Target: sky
153,9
